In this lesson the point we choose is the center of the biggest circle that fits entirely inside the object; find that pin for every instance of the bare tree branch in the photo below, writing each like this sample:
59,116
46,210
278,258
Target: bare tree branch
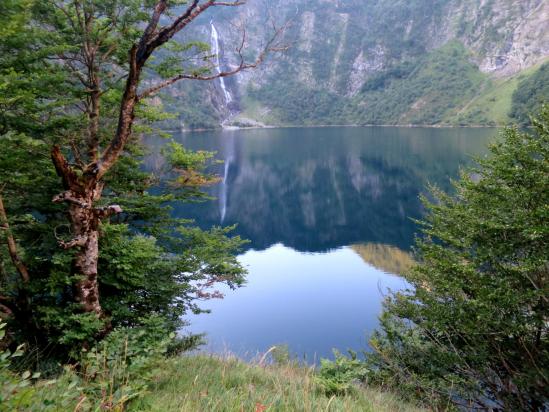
155,18
138,56
192,12
149,92
79,241
63,168
241,67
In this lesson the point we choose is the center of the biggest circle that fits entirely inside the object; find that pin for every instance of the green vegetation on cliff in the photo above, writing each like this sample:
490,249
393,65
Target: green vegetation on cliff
446,62
443,88
531,92
423,92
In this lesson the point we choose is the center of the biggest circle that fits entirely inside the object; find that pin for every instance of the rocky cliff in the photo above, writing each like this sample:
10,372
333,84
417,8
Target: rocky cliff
381,62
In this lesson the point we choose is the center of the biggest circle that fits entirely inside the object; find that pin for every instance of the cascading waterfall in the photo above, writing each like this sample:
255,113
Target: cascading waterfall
216,51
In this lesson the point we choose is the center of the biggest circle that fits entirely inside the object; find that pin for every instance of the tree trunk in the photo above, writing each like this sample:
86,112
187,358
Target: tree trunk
81,194
84,224
12,246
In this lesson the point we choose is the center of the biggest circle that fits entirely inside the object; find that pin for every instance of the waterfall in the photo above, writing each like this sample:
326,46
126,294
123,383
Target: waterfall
216,51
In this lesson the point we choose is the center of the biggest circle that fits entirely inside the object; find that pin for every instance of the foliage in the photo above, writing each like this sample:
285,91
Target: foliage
122,366
150,263
109,376
128,371
202,114
298,105
155,271
340,376
25,81
16,388
529,95
422,92
473,330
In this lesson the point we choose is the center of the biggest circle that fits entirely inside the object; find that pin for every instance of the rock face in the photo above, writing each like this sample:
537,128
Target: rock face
338,46
507,36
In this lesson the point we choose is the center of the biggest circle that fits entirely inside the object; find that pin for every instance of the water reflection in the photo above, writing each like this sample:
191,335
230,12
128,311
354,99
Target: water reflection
312,302
388,259
228,150
329,216
321,189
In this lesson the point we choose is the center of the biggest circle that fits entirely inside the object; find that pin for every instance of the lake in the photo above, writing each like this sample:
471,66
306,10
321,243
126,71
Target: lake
329,215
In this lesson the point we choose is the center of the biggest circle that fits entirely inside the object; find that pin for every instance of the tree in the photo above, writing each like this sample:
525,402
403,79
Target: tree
98,52
473,329
84,183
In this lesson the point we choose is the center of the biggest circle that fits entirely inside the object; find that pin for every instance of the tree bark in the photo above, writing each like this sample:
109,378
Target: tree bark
84,225
81,194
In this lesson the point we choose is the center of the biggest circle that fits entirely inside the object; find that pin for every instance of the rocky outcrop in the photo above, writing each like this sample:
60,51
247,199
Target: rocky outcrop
337,46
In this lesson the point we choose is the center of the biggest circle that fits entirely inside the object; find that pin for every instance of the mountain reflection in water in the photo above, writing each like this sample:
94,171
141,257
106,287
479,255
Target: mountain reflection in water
313,202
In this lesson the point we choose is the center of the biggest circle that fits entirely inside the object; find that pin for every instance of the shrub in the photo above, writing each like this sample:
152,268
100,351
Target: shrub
474,329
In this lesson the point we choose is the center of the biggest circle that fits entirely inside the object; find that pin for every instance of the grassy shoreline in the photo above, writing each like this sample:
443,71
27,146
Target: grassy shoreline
211,383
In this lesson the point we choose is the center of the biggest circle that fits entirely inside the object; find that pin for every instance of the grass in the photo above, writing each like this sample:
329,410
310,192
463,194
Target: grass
493,104
210,383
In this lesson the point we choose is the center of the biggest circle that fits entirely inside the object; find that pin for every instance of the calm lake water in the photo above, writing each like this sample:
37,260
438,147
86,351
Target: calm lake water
328,212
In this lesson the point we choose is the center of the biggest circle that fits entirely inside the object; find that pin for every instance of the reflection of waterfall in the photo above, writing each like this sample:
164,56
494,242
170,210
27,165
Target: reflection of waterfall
224,188
228,153
216,51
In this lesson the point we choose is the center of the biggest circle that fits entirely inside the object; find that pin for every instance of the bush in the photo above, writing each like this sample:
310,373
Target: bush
473,331
340,376
108,376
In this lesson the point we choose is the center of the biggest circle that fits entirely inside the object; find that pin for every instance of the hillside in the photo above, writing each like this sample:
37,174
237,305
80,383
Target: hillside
446,62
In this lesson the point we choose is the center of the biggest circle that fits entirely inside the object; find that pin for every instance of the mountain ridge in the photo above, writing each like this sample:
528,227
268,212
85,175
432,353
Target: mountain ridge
370,62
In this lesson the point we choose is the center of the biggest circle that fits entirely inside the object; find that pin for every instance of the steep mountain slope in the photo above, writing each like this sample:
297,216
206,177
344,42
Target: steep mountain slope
531,91
380,62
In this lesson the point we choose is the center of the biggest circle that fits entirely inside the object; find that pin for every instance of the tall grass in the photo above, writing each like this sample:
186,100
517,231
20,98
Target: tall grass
211,383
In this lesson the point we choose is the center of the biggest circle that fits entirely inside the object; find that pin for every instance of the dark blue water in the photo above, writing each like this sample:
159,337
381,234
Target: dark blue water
328,213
